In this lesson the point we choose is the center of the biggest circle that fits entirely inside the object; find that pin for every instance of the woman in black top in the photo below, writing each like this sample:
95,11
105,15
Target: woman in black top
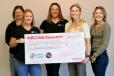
17,19
55,23
17,42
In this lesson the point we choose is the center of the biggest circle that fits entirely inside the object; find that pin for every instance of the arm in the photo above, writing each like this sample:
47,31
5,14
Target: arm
7,34
15,37
13,42
87,37
106,38
88,46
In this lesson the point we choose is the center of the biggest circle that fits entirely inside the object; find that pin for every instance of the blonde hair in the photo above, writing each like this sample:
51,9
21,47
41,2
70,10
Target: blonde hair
80,22
28,10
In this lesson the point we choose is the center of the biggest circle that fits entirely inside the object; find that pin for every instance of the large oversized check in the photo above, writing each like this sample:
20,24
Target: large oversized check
54,48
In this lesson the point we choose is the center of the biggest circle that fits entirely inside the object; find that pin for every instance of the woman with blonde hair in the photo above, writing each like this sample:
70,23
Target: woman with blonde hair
77,24
17,43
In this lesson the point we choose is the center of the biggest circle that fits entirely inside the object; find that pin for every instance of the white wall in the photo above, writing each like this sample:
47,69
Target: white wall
40,9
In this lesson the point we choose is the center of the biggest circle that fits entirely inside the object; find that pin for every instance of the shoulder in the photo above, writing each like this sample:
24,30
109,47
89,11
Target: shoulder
86,30
107,26
44,21
85,25
13,23
64,21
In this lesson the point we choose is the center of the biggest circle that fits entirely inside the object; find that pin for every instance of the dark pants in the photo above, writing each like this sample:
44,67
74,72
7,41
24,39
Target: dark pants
52,69
100,65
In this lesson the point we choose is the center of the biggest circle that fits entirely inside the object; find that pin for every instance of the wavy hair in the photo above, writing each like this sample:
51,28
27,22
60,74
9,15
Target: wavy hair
15,8
103,11
49,17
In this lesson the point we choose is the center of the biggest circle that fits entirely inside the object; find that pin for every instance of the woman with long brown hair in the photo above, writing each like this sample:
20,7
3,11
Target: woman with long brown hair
100,33
17,15
55,23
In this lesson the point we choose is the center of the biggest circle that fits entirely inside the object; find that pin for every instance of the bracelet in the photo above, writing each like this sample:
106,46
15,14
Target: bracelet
87,55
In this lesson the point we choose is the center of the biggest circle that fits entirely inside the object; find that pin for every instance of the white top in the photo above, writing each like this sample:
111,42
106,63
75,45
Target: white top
85,28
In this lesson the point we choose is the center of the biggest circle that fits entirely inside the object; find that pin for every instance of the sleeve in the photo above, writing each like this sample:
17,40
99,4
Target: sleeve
15,32
86,30
106,38
43,24
8,34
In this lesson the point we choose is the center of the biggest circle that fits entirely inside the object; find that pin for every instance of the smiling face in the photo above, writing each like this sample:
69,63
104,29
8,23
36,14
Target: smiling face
28,17
54,11
18,14
99,15
75,13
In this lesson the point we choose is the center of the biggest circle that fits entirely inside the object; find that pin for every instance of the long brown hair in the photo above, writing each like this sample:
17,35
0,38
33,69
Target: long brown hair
103,11
15,8
49,17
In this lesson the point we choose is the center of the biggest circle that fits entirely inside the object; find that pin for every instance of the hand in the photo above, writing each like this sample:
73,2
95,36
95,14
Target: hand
41,30
84,61
92,59
21,40
13,42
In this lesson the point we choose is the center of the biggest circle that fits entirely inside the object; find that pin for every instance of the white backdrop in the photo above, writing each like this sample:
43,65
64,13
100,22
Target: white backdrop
40,10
